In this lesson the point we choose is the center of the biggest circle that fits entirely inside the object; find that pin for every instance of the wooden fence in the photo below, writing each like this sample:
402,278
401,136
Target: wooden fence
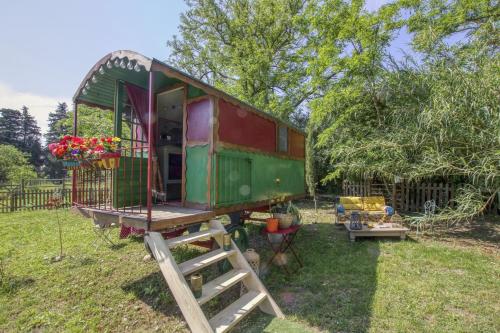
404,197
33,194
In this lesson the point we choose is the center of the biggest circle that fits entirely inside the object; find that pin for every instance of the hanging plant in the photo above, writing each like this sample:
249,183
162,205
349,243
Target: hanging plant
80,152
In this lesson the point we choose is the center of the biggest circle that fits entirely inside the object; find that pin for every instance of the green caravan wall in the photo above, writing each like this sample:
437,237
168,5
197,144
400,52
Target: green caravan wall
243,177
126,181
195,92
196,174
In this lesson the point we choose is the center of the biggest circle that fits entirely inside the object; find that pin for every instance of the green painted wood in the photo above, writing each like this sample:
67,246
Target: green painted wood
130,182
195,92
162,81
130,179
232,175
196,174
102,92
119,92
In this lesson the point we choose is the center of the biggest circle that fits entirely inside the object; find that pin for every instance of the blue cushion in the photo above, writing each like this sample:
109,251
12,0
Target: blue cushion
340,209
389,210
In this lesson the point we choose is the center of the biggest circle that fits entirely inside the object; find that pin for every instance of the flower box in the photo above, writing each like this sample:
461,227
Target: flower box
71,164
78,152
108,161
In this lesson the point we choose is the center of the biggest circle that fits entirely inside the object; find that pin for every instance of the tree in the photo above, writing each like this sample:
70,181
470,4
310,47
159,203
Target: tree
21,130
10,126
58,126
348,46
30,138
14,165
434,22
254,50
433,118
92,122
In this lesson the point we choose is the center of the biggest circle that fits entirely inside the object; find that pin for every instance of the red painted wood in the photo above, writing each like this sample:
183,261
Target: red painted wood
238,126
74,179
296,143
150,148
199,115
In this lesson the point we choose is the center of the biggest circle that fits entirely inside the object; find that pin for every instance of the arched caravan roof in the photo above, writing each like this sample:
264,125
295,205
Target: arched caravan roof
98,86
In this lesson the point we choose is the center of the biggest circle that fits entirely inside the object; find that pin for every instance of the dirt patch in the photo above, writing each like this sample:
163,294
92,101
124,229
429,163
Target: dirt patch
483,234
295,298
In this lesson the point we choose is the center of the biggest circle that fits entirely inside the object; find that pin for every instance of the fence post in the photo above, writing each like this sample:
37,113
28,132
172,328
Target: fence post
12,200
393,196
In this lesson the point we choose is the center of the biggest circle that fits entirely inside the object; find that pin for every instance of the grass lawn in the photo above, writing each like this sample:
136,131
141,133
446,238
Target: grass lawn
445,284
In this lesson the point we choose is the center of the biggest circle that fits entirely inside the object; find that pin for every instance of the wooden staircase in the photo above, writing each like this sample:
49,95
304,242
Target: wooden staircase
256,295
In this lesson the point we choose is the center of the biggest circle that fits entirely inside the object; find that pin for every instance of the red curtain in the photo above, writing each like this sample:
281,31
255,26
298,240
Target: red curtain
139,99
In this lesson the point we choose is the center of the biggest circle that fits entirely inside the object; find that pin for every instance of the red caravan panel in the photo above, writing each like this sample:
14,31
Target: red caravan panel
296,143
199,115
241,127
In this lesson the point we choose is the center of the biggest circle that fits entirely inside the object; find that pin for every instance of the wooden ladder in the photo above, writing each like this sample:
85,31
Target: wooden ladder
256,295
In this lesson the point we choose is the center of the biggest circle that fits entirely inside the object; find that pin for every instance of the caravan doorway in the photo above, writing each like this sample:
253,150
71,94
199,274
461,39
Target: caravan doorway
170,106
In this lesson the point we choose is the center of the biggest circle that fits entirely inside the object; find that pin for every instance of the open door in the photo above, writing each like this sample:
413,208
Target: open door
170,106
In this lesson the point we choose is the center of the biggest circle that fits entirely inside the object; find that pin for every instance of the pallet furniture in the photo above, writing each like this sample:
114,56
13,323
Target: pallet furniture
379,230
371,207
175,275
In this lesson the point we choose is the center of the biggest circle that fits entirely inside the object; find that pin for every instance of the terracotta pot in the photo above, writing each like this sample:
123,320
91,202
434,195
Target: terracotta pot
272,224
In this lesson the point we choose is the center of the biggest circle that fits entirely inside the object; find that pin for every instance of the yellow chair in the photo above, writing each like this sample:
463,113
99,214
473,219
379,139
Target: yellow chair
372,205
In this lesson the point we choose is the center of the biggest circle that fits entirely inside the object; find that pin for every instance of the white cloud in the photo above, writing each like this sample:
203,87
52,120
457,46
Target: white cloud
39,106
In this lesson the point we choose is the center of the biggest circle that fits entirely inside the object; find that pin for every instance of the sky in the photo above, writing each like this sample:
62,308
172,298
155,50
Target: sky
47,47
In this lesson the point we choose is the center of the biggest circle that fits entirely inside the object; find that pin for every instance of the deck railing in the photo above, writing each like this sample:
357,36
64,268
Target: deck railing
121,190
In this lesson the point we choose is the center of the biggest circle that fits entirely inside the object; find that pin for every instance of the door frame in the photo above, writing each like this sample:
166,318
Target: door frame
169,89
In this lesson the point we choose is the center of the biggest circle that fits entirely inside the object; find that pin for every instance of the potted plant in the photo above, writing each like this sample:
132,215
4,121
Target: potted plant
106,153
75,152
287,213
69,149
295,212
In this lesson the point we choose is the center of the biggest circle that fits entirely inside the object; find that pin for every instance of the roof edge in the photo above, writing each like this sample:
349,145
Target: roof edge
130,55
152,64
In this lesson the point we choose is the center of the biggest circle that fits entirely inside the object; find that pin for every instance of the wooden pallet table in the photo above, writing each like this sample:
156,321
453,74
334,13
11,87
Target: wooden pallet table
379,230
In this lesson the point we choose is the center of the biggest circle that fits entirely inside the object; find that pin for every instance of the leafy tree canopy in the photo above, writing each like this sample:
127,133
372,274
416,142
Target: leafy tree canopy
420,119
20,129
14,165
91,121
252,49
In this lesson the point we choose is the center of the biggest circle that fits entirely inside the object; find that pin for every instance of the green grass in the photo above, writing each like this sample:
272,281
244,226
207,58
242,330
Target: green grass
448,284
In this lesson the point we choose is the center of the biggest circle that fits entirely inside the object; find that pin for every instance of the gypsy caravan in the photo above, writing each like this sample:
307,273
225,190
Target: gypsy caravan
189,152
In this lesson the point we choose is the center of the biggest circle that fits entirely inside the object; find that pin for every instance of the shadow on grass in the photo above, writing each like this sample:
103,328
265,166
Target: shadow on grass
333,292
11,284
335,288
153,291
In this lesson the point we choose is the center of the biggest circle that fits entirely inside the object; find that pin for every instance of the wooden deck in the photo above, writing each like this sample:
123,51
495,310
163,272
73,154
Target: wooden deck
163,217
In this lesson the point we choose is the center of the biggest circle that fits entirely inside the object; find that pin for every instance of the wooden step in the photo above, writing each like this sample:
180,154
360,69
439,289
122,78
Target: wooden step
186,239
205,260
220,284
230,316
